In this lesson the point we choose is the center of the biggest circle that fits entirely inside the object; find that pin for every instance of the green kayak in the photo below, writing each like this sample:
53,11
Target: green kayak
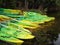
37,17
8,38
17,33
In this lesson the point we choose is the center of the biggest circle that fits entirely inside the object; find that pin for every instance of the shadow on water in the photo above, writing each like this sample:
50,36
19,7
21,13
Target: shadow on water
46,34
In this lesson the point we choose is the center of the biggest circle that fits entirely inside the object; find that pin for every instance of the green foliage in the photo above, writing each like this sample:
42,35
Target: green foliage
58,2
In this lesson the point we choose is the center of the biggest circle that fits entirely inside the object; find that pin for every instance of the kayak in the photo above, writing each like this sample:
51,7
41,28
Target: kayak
9,38
17,33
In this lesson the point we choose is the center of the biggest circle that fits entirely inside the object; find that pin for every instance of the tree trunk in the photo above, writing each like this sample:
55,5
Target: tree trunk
26,4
